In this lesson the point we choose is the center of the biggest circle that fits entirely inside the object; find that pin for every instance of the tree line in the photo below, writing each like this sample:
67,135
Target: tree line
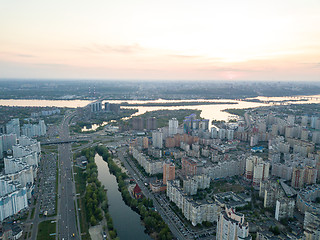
144,207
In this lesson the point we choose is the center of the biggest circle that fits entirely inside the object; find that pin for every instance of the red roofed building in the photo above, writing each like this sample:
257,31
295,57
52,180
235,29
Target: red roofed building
137,192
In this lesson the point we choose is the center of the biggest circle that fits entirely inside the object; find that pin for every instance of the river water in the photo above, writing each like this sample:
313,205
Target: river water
211,112
125,220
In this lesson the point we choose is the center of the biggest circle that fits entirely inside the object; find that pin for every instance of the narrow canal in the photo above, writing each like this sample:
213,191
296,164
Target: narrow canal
125,220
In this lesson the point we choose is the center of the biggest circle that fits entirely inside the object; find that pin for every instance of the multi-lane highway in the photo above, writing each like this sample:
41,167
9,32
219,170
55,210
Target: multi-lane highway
68,224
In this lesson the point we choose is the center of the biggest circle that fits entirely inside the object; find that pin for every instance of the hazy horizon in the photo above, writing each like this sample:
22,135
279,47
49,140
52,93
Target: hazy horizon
163,80
164,41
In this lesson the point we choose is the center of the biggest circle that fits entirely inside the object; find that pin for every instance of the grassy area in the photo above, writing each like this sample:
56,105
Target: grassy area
79,144
163,116
49,147
32,213
23,217
224,186
57,184
45,229
1,164
80,179
239,112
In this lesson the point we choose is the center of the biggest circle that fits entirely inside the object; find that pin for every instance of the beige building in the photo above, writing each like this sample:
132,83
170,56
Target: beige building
168,171
232,226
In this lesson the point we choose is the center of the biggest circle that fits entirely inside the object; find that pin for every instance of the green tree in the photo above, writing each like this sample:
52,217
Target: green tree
93,221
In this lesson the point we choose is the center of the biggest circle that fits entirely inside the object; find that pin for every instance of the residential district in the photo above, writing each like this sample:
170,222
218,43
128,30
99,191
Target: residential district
256,177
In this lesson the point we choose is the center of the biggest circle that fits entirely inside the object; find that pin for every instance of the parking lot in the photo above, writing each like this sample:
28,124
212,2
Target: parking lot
47,196
188,231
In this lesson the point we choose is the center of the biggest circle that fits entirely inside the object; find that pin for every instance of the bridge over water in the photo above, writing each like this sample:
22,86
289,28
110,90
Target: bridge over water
62,141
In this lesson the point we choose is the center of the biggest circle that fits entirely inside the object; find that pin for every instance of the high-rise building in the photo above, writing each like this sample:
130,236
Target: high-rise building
99,106
303,175
230,134
311,226
250,162
8,140
254,140
95,106
157,141
189,166
231,226
13,126
192,123
204,124
170,142
115,108
13,203
304,120
260,173
192,184
214,132
317,123
284,208
31,130
316,137
137,123
151,123
257,170
106,106
42,128
291,119
2,129
1,147
145,143
168,171
222,133
297,177
304,134
173,126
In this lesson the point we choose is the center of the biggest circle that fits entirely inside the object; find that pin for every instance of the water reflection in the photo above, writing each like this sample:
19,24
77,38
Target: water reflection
125,220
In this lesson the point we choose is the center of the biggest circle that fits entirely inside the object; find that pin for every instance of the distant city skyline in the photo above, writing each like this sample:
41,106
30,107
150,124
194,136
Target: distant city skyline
161,40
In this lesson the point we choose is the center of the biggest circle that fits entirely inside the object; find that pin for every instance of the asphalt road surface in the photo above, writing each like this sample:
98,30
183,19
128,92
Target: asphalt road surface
67,219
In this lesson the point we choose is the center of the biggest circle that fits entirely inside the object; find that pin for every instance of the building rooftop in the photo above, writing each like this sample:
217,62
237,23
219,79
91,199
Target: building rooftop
231,199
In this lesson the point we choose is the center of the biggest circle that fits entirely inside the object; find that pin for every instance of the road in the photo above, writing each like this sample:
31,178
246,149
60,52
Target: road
139,179
176,225
68,222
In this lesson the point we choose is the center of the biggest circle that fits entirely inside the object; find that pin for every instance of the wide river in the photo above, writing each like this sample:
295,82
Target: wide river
125,220
214,111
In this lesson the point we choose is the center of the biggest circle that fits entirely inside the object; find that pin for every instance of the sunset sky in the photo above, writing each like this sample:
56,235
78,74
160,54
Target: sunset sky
168,40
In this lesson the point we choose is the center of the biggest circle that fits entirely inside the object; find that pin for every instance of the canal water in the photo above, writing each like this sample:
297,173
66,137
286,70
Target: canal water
125,220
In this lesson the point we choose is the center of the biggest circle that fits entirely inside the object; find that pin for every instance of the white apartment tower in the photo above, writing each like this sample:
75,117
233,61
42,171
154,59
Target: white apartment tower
13,126
157,139
173,126
231,226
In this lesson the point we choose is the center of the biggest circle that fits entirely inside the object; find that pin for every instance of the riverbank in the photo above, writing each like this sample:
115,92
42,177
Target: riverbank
172,104
93,200
154,225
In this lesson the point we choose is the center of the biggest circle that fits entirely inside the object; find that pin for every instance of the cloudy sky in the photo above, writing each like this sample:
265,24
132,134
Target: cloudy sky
167,39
